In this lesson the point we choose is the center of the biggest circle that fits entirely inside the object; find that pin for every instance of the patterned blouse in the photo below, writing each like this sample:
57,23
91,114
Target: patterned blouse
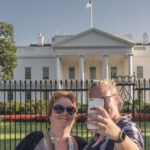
130,128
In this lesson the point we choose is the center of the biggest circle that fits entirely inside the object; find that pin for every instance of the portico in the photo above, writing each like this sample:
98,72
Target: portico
92,48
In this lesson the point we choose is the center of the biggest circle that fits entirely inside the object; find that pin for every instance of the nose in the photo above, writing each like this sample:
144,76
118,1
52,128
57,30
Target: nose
65,112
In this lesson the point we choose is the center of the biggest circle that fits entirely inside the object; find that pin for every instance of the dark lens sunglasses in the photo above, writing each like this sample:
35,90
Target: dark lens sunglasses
59,109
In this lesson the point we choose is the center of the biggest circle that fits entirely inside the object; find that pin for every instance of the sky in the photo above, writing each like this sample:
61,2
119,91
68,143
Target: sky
50,17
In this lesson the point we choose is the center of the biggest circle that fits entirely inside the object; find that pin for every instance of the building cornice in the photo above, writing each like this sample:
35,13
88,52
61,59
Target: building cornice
88,31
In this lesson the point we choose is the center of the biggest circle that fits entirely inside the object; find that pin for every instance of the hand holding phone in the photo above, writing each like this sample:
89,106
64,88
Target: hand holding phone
94,102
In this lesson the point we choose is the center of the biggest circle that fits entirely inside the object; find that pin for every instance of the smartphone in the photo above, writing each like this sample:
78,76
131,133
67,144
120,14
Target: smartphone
94,102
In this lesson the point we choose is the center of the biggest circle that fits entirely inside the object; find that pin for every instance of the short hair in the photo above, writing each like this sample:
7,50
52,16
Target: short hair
111,84
56,95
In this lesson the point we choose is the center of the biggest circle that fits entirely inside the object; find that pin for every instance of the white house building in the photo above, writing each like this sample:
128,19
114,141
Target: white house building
92,54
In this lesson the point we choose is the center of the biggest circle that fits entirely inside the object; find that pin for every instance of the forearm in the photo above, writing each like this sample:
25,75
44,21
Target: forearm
128,144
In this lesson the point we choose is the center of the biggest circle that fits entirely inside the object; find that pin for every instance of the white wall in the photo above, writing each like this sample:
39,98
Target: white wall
36,65
142,61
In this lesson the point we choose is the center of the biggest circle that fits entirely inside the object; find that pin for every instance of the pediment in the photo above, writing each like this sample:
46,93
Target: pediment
92,38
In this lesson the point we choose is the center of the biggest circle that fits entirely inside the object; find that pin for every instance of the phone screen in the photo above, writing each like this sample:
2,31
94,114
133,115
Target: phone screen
94,102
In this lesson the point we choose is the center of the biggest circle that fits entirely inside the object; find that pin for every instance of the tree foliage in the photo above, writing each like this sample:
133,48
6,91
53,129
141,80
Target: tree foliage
8,59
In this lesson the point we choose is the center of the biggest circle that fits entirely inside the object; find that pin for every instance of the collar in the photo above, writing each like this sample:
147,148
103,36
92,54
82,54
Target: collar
70,141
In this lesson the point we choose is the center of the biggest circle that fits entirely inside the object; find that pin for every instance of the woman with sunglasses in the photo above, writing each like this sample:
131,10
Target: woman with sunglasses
62,114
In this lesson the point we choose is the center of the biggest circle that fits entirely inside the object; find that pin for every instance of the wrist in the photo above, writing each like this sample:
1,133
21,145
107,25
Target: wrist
121,137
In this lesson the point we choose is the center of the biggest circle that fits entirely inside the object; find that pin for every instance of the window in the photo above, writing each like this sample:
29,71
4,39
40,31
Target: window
139,71
10,96
71,73
45,95
27,73
113,71
92,72
45,72
28,95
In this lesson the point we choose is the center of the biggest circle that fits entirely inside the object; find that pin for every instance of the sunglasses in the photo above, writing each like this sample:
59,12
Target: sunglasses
59,109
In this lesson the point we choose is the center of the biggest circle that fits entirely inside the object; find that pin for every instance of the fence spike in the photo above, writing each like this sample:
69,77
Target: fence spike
45,81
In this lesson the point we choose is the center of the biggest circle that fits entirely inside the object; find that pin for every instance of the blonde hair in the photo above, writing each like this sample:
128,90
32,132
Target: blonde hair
56,95
111,85
106,82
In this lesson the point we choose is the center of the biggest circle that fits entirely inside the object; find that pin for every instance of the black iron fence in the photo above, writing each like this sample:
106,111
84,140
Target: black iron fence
23,106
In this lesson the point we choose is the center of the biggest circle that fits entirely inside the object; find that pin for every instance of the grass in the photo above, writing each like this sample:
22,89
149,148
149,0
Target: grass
9,131
145,128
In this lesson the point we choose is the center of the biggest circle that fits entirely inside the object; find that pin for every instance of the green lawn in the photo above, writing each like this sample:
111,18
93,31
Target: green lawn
145,128
8,130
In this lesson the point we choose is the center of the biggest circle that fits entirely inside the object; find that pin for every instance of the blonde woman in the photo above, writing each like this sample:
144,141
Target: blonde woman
114,131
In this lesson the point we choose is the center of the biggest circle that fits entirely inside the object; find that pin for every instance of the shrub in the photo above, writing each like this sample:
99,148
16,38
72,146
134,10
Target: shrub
30,107
139,107
24,118
82,108
38,117
81,117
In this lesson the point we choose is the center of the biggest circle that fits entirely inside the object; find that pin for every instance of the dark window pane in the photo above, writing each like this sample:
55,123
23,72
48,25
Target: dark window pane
27,73
113,71
139,71
45,73
71,73
92,72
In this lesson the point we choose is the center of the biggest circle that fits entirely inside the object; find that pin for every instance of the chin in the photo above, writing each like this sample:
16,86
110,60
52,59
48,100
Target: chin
64,126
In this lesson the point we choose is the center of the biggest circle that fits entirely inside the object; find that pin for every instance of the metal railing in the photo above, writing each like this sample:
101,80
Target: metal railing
23,105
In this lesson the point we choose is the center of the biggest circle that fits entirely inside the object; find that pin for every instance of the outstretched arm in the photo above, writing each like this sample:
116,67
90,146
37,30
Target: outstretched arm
108,128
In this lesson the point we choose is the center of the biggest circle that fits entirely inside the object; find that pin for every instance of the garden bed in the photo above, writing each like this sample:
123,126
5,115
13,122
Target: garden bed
81,117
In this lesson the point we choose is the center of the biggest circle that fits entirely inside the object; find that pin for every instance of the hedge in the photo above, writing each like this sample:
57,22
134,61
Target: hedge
80,117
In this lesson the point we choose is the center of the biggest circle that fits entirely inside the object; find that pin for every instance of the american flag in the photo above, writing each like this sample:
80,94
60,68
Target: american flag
89,4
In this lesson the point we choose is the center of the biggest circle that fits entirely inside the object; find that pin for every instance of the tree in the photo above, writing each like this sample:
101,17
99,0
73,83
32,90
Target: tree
8,59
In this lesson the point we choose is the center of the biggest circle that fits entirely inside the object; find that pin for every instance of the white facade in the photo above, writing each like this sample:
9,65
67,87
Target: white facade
92,54
91,48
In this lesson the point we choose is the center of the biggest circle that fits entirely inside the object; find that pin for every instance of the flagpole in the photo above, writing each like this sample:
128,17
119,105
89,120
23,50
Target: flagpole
89,5
92,15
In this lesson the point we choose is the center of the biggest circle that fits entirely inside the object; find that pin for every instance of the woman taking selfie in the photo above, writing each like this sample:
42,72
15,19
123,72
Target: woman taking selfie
61,113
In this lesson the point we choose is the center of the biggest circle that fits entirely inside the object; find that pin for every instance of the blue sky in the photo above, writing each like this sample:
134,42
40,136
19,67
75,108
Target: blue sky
30,17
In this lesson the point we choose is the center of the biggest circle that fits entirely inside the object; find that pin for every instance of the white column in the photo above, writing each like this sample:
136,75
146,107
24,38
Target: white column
81,68
81,77
105,66
130,73
57,65
130,65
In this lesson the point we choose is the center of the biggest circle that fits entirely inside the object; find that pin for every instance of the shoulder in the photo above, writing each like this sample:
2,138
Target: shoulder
34,136
30,141
130,127
126,121
36,133
132,130
80,141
